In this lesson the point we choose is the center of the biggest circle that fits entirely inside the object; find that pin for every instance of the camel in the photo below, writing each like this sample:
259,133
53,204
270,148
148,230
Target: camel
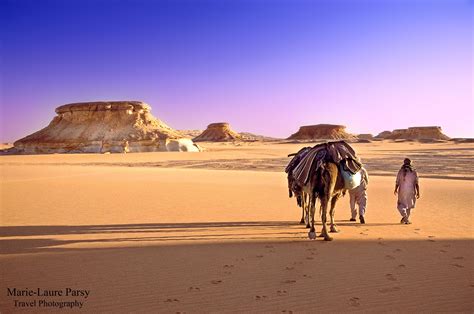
327,185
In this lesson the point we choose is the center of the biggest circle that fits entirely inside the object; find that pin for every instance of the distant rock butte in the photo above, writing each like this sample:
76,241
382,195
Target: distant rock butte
321,131
383,135
245,136
105,126
365,136
415,133
218,132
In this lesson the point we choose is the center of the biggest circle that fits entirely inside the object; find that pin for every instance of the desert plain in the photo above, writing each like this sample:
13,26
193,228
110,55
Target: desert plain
215,231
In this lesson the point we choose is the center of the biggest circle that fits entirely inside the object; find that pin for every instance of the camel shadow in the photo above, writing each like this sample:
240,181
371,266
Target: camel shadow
45,238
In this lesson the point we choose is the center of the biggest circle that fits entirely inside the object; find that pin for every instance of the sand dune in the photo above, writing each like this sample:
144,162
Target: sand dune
180,239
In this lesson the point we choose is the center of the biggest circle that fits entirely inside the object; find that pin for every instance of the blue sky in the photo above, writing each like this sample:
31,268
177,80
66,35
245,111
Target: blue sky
266,67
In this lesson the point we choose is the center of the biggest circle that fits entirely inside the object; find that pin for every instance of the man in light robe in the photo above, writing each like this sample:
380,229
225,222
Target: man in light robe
358,196
408,190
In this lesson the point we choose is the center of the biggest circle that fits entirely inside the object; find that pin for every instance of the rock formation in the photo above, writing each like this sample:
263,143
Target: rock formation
101,127
418,133
365,136
218,132
383,135
245,136
321,131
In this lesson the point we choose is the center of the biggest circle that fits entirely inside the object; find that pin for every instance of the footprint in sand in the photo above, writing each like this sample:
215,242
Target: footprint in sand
269,246
354,301
289,281
289,268
417,229
390,277
381,243
171,300
401,266
387,290
282,293
307,276
457,265
216,282
194,289
240,259
447,245
228,266
310,258
389,257
458,257
362,233
442,251
397,250
285,311
260,297
227,273
259,256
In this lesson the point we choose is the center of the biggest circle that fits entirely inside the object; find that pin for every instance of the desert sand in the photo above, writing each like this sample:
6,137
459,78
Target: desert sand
216,231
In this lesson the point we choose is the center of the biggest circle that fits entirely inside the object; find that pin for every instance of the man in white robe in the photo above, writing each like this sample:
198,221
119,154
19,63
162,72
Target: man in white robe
358,196
408,190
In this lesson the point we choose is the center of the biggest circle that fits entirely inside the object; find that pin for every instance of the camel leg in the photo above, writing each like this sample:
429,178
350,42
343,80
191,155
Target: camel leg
307,207
332,212
324,211
312,202
300,203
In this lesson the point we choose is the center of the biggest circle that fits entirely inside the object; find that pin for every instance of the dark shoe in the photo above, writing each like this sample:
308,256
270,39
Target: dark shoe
352,219
403,220
362,220
407,222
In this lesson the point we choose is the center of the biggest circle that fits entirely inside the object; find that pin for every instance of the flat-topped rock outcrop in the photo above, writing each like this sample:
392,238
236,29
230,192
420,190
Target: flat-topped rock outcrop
321,131
365,136
104,126
415,133
218,132
383,135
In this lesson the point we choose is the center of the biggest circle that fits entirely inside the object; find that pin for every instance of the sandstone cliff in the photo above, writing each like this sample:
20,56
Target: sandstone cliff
365,136
418,133
100,127
218,132
383,135
245,136
321,131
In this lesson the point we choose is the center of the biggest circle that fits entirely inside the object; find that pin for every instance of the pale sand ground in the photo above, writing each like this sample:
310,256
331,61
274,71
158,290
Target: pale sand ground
148,232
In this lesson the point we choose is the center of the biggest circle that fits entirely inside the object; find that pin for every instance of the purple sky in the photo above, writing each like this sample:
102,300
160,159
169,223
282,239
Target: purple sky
266,67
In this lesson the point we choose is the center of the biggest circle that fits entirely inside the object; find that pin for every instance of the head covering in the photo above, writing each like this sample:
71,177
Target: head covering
407,166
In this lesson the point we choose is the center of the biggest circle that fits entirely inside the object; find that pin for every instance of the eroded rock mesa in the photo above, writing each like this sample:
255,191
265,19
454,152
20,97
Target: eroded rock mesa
415,133
321,131
218,132
102,127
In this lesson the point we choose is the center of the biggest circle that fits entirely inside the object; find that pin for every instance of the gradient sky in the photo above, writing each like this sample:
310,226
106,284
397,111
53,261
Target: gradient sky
267,67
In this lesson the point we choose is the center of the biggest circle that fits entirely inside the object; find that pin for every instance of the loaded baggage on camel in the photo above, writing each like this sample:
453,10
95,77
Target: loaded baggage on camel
339,152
